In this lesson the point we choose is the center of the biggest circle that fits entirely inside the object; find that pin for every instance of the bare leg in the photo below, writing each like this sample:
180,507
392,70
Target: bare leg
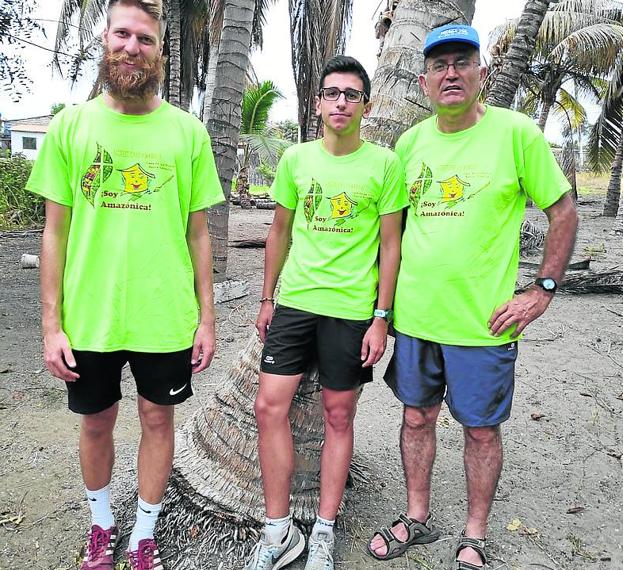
339,413
483,464
275,446
418,446
97,450
155,452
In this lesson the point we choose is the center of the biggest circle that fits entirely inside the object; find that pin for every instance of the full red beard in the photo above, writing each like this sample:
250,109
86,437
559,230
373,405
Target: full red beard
140,83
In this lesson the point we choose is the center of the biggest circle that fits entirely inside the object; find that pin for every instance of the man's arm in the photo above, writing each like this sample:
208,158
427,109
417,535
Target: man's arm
56,350
198,240
277,246
375,339
559,242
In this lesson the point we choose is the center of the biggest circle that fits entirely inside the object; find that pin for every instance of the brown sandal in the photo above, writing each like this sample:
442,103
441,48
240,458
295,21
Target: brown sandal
417,533
477,544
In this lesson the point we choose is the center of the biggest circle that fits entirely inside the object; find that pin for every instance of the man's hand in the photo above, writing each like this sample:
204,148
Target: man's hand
520,311
264,318
374,342
59,359
204,346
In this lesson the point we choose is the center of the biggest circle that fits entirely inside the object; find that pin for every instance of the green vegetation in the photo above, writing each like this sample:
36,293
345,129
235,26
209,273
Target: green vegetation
18,208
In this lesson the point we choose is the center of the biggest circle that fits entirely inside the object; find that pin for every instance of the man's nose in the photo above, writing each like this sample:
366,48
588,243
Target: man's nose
132,46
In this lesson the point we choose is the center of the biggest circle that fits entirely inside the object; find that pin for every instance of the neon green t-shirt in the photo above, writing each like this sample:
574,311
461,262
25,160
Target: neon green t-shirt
131,181
460,249
332,267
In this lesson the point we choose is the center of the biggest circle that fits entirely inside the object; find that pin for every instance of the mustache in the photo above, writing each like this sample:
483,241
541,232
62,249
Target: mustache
142,81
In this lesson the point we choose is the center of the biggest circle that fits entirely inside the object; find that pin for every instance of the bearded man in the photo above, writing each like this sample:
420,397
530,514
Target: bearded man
126,274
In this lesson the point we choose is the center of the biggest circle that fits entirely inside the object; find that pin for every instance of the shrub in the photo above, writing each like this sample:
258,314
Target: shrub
18,207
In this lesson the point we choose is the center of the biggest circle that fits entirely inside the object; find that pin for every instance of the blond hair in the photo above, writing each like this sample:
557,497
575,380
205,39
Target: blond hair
152,7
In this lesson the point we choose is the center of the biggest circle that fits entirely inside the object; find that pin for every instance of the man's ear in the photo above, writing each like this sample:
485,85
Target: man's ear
105,37
366,109
422,81
317,100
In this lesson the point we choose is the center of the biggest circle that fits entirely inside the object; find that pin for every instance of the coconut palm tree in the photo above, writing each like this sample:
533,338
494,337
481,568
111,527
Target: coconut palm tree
256,138
318,30
397,101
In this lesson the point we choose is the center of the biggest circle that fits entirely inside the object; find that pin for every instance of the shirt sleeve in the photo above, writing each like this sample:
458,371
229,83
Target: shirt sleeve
541,177
50,174
283,190
206,188
394,196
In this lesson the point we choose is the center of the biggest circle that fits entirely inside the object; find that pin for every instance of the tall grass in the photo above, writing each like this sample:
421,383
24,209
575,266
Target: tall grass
18,208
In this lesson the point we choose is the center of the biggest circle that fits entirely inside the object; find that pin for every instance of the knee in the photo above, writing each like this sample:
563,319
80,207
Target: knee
98,425
482,435
339,419
420,418
267,411
156,419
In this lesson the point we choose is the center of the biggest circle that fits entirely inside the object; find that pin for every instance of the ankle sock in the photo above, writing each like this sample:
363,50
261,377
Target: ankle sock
323,525
146,517
277,529
99,503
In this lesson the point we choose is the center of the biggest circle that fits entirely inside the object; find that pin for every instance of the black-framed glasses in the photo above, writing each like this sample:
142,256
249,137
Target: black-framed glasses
333,94
461,64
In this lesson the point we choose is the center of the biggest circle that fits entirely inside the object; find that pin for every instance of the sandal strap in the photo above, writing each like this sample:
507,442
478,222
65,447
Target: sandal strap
414,528
477,544
391,542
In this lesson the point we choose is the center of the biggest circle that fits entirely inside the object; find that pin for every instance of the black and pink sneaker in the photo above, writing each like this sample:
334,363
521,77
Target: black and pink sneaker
100,548
146,557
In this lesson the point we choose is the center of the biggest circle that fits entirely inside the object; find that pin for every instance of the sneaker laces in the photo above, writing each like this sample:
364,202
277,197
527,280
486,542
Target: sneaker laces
143,558
98,542
261,555
320,544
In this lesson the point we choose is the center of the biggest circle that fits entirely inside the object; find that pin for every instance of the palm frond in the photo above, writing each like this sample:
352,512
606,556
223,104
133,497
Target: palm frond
594,47
266,147
569,110
257,100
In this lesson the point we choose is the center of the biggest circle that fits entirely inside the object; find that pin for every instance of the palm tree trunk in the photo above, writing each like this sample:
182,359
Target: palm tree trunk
175,50
397,101
545,109
215,488
210,77
224,117
519,54
614,195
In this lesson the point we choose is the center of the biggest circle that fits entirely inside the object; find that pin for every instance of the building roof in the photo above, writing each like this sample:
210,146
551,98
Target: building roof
30,124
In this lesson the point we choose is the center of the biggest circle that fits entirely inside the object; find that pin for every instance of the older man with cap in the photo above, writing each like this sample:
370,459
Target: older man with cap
470,168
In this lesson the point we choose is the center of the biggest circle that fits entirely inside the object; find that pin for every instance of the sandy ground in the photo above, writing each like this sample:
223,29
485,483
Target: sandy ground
559,503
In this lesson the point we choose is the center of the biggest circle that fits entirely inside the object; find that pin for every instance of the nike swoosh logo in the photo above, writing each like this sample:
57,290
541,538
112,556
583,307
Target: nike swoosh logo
173,392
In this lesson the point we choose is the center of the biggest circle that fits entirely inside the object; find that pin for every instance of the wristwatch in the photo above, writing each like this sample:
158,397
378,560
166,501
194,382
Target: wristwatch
386,314
547,284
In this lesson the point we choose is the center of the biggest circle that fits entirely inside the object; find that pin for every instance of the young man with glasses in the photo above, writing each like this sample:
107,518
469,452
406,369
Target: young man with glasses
339,203
469,169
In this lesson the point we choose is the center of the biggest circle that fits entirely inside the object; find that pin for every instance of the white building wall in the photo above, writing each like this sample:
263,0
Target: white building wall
17,143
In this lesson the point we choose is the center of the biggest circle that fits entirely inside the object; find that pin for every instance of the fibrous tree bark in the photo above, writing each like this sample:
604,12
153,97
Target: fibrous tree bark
613,194
519,54
397,101
175,46
224,116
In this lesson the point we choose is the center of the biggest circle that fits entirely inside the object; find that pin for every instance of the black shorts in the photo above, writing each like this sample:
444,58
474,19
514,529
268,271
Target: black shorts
162,378
298,338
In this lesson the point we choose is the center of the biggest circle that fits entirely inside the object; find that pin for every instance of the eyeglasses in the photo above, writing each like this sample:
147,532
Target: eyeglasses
333,94
439,67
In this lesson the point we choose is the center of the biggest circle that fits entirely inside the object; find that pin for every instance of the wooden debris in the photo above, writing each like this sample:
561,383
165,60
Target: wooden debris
536,416
576,266
229,290
575,510
248,243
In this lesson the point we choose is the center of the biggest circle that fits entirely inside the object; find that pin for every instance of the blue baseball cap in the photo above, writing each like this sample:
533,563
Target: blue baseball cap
459,33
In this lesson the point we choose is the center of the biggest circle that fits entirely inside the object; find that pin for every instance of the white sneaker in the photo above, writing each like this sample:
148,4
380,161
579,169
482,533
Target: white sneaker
266,556
320,555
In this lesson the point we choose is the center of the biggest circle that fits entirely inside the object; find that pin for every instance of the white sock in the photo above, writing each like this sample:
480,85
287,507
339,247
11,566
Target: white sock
146,517
277,529
323,525
99,503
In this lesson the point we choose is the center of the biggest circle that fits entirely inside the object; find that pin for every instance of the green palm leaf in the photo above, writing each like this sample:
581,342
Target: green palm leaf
257,100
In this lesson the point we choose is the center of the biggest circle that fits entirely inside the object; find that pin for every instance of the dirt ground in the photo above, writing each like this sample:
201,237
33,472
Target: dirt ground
559,503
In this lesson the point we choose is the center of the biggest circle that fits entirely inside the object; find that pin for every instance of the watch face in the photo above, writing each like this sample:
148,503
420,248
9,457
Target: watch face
548,284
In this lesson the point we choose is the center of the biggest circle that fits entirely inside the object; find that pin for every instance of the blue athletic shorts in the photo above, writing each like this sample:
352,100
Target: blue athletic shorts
476,381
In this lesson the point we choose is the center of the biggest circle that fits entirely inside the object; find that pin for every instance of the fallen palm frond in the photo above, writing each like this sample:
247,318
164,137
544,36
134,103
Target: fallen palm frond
531,237
599,282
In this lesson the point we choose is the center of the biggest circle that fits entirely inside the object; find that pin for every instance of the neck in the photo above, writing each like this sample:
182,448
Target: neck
132,106
341,144
453,122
